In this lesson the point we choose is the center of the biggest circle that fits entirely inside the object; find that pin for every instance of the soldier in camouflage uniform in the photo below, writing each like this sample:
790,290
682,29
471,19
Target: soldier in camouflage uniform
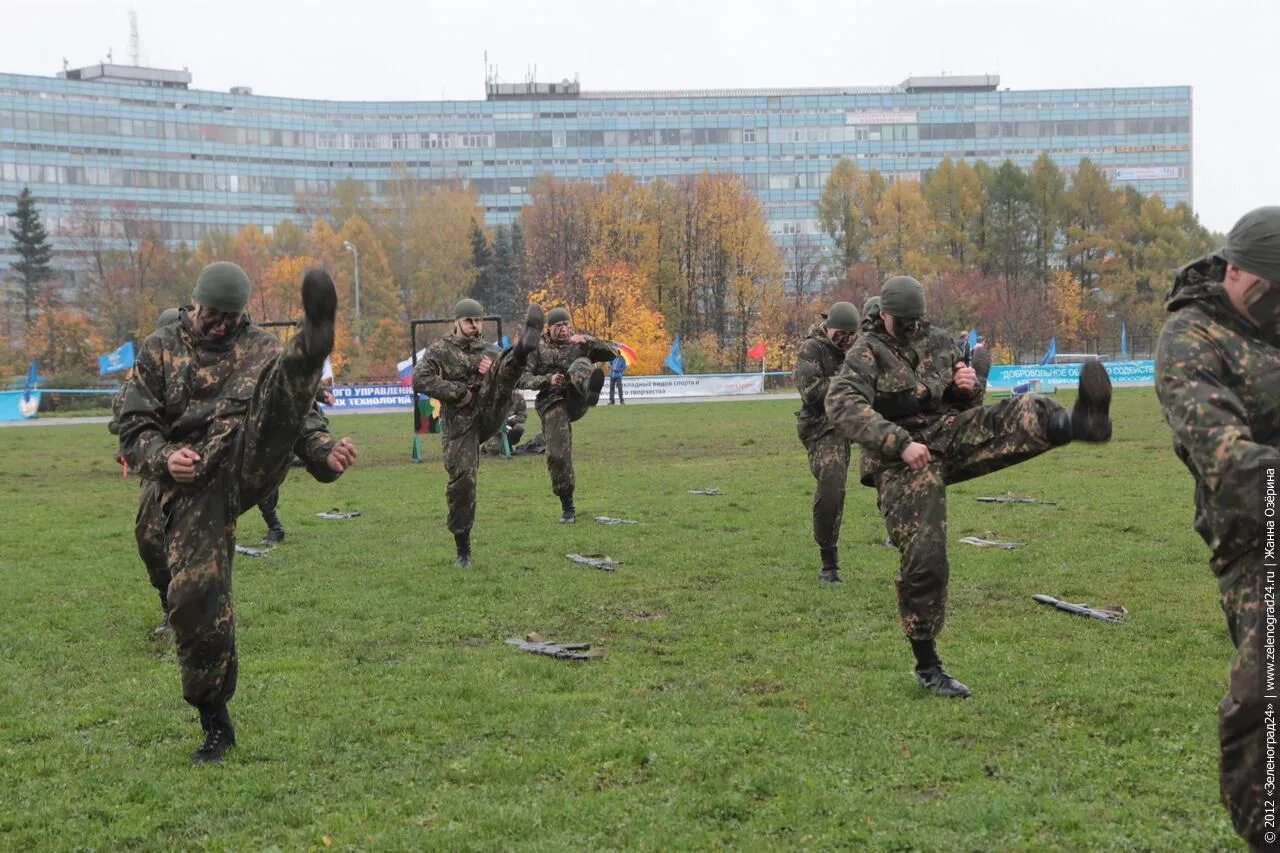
212,415
515,426
1218,379
568,384
819,359
905,396
473,381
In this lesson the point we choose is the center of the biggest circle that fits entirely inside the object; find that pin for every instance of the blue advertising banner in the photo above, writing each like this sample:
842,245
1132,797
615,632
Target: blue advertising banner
1121,373
371,396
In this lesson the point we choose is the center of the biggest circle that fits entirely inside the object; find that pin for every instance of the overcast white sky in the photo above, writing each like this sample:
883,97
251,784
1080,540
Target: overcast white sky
430,50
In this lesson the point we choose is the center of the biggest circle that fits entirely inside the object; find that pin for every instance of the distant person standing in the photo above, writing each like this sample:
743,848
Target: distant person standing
819,358
617,367
1218,380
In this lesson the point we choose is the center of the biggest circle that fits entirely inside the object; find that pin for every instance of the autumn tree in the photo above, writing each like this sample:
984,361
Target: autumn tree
846,210
1047,187
901,231
1091,212
953,193
557,232
378,297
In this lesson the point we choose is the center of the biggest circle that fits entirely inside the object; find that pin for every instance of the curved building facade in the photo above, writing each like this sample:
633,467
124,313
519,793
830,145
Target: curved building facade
200,161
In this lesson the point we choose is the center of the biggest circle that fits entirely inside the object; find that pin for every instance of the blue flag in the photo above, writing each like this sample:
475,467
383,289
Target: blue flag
674,361
120,358
31,382
1124,342
973,338
1051,351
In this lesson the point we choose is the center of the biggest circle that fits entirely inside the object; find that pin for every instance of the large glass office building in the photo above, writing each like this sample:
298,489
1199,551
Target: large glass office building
199,161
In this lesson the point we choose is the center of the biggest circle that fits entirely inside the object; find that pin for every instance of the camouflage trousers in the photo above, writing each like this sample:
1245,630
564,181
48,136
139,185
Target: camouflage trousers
148,530
1242,753
200,524
557,420
914,503
491,404
829,463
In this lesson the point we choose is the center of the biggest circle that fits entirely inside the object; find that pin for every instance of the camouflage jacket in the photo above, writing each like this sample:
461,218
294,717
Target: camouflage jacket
1218,379
816,362
186,392
890,393
447,372
553,357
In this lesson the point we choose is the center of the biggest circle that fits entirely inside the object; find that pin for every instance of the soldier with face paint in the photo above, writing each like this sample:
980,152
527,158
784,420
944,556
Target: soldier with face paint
907,398
212,415
473,380
1218,379
818,359
568,383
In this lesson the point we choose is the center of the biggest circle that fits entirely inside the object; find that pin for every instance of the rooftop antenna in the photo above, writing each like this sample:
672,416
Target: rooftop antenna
135,48
110,60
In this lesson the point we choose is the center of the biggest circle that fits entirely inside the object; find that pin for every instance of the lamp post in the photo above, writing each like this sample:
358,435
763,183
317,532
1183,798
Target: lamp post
356,254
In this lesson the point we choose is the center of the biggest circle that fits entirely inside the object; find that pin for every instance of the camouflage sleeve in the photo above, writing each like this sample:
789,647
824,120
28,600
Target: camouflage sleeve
1209,422
113,426
598,350
314,444
428,378
810,382
850,402
144,441
533,377
952,394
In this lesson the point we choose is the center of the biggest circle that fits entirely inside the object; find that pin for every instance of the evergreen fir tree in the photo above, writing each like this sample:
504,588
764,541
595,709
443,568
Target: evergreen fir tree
32,245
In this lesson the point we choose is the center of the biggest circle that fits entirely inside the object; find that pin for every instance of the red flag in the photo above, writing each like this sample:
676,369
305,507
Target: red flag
756,351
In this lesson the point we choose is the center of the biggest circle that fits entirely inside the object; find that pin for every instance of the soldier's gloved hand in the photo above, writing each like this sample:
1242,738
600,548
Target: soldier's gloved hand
483,367
342,456
917,456
181,464
965,378
557,379
577,339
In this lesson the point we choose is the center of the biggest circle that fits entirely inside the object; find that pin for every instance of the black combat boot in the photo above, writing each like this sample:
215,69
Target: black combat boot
568,515
981,362
1090,418
594,383
320,307
159,630
275,530
527,343
830,566
931,674
463,543
219,734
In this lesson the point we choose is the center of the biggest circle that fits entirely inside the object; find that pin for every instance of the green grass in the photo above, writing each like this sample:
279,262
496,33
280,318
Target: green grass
741,704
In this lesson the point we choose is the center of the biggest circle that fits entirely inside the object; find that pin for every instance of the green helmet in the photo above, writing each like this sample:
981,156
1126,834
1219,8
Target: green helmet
557,315
871,306
222,286
1253,243
468,308
843,317
168,316
902,296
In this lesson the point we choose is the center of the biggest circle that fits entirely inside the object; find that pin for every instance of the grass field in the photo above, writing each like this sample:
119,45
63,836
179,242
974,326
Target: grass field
740,704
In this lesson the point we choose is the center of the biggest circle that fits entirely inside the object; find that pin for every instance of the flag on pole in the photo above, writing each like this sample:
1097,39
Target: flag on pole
326,373
628,354
1124,342
973,338
1051,351
32,379
405,368
121,358
756,351
674,361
